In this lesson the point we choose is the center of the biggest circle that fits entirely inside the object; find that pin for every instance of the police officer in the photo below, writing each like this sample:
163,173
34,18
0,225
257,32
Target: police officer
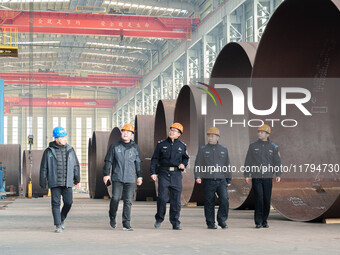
212,166
170,159
262,160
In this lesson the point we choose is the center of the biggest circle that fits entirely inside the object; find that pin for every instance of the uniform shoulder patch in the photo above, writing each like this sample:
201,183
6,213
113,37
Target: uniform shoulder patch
161,141
182,142
202,147
275,145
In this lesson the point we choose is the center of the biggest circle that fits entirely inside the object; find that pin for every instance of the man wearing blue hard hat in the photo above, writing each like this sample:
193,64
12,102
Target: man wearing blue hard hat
60,168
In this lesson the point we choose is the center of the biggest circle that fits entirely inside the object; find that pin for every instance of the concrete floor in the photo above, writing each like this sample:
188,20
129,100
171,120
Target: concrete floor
26,227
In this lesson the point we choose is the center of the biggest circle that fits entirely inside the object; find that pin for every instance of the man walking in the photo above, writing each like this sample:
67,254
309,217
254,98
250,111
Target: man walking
60,167
212,169
262,158
124,157
169,159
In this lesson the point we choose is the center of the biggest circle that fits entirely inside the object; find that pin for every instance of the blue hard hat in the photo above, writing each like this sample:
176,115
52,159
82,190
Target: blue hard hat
59,132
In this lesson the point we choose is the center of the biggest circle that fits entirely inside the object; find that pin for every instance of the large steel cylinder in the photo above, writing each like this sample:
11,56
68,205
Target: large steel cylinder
300,48
163,120
33,171
144,126
89,164
187,112
233,66
115,136
99,150
10,156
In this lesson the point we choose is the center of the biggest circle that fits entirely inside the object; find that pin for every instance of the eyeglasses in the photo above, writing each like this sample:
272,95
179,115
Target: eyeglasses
174,130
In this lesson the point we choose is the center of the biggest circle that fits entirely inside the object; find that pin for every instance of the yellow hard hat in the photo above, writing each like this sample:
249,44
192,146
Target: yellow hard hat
177,126
265,128
213,131
128,127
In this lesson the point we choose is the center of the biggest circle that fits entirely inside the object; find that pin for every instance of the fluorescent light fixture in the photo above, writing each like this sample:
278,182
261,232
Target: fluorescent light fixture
33,1
39,42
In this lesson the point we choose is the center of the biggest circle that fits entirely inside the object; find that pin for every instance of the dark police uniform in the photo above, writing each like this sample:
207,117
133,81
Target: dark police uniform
166,159
261,155
208,156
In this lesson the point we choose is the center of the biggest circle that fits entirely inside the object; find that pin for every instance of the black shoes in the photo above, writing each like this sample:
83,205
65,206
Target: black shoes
212,226
127,228
265,225
157,224
177,227
113,223
223,225
258,226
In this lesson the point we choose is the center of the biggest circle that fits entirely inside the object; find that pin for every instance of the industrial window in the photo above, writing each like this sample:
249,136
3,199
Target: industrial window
55,122
29,129
78,138
5,130
40,132
63,122
88,128
104,124
15,130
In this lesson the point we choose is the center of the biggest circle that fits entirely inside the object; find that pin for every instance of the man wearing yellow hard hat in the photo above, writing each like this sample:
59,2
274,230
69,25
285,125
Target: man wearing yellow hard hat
124,157
262,158
212,170
168,161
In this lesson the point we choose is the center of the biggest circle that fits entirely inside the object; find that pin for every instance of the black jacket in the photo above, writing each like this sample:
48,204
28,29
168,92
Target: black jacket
125,161
49,167
212,162
168,154
262,160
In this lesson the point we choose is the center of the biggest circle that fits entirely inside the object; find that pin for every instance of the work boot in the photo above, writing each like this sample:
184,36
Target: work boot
58,229
258,226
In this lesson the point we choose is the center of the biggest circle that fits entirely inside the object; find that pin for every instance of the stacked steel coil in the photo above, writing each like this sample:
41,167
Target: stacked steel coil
10,156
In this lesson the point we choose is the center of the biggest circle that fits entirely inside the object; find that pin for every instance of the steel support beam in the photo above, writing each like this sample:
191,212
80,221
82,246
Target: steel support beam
98,24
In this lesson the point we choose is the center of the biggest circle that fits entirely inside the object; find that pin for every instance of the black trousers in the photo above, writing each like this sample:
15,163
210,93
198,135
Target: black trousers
67,194
210,187
125,191
169,182
262,192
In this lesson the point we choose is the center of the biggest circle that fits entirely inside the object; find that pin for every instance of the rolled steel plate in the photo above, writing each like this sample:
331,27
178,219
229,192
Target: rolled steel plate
309,58
233,65
163,120
99,150
115,136
188,113
10,156
33,172
144,126
89,165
